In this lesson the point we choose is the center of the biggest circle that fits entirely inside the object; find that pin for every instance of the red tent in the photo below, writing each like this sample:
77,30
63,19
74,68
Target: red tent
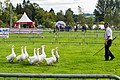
24,20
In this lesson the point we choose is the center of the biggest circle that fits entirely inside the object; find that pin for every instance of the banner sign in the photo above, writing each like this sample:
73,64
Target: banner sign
4,32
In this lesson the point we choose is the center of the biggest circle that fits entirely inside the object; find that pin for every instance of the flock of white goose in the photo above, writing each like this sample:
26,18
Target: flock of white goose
38,57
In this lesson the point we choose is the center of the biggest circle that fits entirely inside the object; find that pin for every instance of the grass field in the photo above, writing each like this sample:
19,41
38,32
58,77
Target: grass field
76,51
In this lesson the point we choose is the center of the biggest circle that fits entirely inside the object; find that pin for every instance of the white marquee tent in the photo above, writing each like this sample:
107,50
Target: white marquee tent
24,20
100,26
60,23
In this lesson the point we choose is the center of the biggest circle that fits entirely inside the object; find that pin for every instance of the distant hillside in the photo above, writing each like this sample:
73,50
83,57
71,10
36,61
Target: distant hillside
89,15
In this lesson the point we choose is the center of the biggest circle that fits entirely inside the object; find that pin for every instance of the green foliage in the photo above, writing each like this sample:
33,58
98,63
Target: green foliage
108,11
69,17
75,58
81,19
1,23
38,14
19,9
60,16
116,19
89,21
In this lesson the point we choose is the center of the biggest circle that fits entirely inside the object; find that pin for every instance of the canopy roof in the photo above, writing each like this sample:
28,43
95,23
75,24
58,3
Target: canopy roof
24,18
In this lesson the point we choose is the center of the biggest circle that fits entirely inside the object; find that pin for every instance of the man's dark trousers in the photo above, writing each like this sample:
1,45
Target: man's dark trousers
107,51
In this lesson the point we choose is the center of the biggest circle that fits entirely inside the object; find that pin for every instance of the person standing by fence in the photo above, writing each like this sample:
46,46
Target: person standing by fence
108,42
84,28
75,28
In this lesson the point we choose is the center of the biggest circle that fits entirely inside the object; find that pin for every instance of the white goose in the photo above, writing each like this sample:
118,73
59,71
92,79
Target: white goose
35,54
35,59
11,57
52,59
22,56
26,53
56,54
42,55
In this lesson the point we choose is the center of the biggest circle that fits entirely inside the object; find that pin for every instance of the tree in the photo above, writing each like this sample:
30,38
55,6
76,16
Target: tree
108,11
90,21
39,18
28,1
81,17
80,10
69,17
99,12
27,7
24,2
108,16
52,15
51,10
6,13
60,16
1,23
19,9
116,19
1,8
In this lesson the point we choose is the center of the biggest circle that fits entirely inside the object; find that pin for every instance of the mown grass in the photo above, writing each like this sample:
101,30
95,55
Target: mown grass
75,58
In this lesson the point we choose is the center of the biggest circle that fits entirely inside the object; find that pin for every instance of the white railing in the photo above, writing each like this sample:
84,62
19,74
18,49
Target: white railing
56,76
25,31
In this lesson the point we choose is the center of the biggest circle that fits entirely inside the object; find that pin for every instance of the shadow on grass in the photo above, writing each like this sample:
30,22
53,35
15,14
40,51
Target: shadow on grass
26,64
39,65
8,62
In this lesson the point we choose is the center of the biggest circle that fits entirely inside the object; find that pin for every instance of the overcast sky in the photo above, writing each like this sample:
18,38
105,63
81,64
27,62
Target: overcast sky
87,6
